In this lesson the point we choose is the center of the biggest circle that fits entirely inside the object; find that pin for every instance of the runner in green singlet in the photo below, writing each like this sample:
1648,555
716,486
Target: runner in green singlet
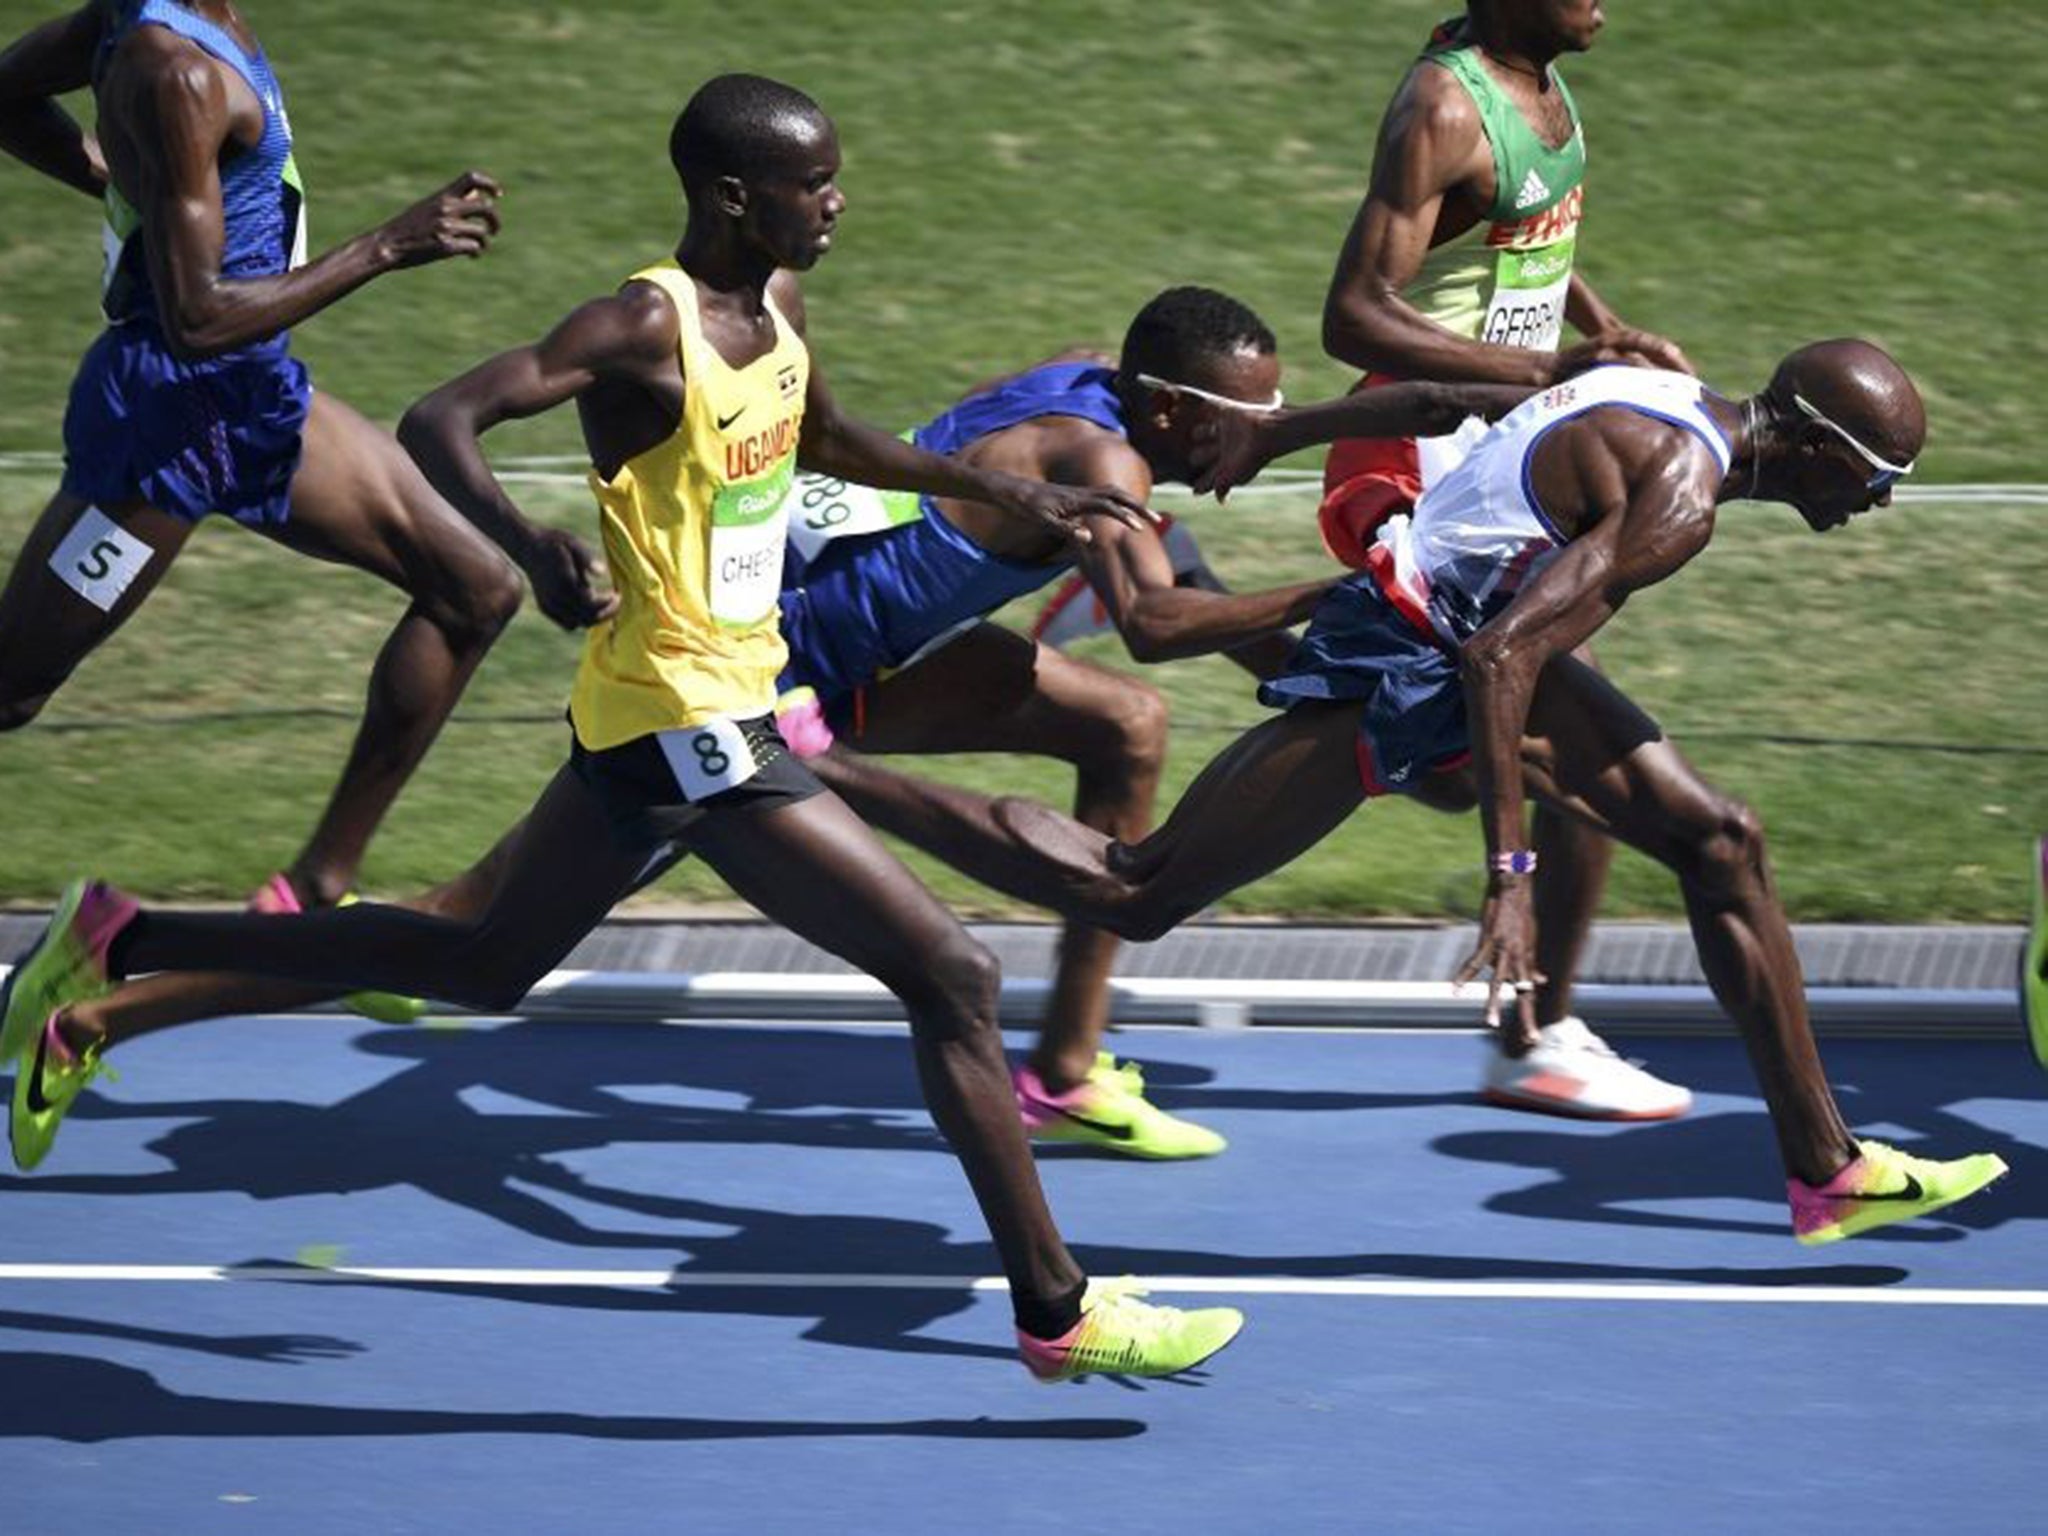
1460,266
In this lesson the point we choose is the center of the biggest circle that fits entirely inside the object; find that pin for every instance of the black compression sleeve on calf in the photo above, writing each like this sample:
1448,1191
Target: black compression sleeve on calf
1053,1318
121,943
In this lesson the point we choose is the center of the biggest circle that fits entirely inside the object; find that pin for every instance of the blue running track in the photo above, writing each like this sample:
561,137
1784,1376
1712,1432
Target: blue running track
308,1275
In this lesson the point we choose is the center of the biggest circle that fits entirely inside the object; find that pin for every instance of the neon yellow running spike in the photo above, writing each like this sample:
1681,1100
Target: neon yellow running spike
383,1007
68,964
1119,1335
47,1081
1109,1110
277,898
2034,961
1882,1186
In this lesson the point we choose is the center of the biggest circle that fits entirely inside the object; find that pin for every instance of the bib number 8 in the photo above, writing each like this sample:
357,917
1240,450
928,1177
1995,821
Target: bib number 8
709,759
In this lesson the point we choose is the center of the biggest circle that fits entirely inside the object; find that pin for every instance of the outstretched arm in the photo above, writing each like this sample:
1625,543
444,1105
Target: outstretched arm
180,116
1133,576
836,444
1242,443
627,338
51,61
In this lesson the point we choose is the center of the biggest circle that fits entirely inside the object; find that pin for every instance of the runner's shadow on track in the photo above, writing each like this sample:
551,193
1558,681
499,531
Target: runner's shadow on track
266,1348
858,1314
83,1400
474,1114
1617,1175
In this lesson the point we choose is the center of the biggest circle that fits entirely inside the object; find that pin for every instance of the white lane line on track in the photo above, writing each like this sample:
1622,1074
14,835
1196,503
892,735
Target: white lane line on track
570,469
1186,1285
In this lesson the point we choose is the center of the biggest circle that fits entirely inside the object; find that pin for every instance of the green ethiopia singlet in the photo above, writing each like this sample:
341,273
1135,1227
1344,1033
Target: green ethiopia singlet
1504,280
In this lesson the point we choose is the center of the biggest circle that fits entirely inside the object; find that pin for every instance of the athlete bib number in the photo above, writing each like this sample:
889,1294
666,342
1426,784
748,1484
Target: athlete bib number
709,759
749,525
821,509
1529,291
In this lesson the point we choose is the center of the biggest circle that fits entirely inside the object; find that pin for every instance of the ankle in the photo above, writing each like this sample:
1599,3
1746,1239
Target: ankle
1062,1074
79,1033
317,888
1050,1317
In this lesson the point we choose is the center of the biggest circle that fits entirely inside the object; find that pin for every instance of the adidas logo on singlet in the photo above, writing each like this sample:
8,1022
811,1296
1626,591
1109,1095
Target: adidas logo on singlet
1533,192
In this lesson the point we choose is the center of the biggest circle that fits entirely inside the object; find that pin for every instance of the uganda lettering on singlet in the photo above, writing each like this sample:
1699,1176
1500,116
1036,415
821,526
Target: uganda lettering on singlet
694,530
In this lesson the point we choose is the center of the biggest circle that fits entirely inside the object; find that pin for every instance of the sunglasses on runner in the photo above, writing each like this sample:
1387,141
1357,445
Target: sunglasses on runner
1887,475
1263,407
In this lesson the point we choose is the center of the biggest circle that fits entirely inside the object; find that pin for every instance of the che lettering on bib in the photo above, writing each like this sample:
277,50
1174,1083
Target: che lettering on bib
749,525
708,759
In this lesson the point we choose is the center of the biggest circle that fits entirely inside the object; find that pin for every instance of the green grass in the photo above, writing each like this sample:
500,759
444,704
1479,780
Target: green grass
1023,178
1774,632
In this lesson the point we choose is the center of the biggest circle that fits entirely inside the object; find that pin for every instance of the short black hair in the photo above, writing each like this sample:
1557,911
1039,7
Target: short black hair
1174,335
737,125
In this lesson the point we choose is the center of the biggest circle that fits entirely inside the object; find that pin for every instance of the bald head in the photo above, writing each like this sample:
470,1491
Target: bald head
746,126
1859,388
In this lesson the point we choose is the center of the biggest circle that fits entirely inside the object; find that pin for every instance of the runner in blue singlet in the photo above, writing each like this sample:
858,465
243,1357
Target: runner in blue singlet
885,608
191,403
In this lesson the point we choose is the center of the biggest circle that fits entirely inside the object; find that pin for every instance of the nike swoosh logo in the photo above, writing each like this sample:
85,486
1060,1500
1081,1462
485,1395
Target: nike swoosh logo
1912,1191
726,421
1117,1132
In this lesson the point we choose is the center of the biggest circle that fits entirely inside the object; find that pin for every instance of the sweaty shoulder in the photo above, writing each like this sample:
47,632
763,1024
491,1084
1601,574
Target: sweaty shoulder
1641,451
1431,140
635,328
156,71
1093,455
1434,105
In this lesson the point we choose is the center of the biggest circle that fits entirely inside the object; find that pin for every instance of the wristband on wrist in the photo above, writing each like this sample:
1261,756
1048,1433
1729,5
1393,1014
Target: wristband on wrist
1519,861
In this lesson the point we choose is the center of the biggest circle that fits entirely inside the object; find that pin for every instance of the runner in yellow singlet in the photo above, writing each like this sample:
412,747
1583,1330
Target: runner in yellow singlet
1460,266
698,401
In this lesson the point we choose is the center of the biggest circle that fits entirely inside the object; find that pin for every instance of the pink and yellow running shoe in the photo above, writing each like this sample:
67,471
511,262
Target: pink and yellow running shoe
1108,1109
1119,1335
68,964
1882,1186
47,1081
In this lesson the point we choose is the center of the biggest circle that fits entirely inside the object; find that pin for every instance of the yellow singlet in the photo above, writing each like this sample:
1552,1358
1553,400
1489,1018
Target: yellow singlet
693,532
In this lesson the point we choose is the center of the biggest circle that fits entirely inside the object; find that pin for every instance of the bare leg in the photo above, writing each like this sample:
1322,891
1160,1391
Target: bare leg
565,872
1594,753
815,868
995,691
172,998
1287,783
46,626
359,501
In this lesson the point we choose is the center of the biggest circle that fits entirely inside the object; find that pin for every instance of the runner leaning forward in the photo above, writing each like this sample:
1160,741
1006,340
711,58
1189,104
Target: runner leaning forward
1460,264
1451,659
698,402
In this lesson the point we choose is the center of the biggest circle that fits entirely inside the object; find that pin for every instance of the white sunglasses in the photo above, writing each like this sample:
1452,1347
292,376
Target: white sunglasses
1263,407
1887,474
